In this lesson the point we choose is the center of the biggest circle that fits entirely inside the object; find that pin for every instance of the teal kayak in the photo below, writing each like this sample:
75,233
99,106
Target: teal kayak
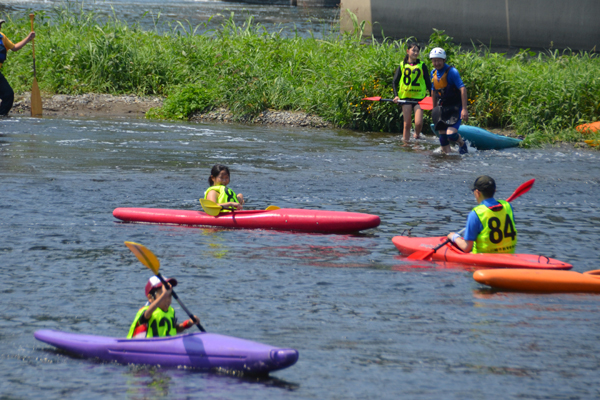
484,140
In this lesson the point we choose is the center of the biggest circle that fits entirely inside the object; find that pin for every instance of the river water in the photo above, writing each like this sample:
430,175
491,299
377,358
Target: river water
367,324
164,14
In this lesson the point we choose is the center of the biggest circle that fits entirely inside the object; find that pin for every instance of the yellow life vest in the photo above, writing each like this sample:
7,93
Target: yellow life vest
160,324
412,82
499,234
226,195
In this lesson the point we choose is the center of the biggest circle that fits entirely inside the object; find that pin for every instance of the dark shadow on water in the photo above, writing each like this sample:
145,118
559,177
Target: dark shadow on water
489,293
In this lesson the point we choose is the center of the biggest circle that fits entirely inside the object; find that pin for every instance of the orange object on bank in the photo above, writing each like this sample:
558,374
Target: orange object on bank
589,128
540,281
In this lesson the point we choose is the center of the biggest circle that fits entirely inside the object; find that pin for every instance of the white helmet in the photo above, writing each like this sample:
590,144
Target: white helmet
437,52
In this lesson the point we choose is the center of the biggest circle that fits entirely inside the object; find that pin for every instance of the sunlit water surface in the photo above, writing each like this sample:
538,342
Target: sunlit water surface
196,15
367,324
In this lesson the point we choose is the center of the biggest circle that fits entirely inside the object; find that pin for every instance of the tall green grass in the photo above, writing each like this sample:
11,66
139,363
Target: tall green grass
248,69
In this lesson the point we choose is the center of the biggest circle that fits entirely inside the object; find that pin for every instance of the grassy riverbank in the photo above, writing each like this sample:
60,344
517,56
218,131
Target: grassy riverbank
248,70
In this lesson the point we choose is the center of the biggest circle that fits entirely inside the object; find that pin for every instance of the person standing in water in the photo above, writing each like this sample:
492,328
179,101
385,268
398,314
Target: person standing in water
411,83
450,98
7,95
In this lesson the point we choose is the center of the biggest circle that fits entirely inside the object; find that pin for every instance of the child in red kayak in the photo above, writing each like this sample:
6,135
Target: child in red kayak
411,82
157,317
219,193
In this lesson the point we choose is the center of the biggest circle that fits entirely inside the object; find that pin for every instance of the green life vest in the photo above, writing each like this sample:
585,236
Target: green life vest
160,324
226,195
499,234
412,83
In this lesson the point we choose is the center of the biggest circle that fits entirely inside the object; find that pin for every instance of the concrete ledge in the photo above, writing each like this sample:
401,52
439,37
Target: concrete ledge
519,23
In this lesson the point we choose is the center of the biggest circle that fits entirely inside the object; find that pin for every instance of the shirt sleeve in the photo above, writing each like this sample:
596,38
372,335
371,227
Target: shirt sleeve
427,77
7,43
396,80
454,78
142,319
473,228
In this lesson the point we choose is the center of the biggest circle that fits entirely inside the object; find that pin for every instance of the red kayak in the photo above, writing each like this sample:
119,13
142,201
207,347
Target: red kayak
450,253
284,219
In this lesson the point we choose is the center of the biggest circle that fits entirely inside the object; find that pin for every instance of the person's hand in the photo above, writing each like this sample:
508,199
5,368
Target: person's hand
464,114
232,204
31,36
452,236
396,99
168,289
189,322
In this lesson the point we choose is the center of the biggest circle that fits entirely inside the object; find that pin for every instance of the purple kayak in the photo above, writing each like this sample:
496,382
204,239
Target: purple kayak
205,351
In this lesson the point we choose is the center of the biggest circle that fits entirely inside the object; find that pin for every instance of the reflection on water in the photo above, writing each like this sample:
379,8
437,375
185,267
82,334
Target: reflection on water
145,382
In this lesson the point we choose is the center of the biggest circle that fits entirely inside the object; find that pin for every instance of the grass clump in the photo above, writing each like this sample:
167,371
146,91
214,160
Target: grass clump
249,69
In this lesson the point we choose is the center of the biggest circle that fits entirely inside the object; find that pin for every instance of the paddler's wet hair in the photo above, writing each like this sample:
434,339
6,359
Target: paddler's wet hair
410,46
215,171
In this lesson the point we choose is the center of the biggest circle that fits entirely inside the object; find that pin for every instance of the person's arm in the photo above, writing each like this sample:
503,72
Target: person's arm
464,245
154,305
23,42
240,198
472,230
396,80
434,94
188,323
426,76
464,114
213,196
434,97
455,78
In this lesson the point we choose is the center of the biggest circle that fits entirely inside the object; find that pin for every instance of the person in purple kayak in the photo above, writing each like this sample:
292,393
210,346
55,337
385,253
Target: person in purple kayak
491,225
450,100
157,317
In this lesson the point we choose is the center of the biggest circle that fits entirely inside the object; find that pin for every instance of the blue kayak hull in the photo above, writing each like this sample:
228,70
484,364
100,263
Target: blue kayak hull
484,140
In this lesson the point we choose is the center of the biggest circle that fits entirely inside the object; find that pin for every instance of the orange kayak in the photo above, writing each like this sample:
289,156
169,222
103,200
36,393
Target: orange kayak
540,281
450,253
589,128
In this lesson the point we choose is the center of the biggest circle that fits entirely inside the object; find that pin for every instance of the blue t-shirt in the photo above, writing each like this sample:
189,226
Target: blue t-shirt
474,225
453,77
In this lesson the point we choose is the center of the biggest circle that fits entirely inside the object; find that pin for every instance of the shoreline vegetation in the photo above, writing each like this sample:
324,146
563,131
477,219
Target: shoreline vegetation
243,73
